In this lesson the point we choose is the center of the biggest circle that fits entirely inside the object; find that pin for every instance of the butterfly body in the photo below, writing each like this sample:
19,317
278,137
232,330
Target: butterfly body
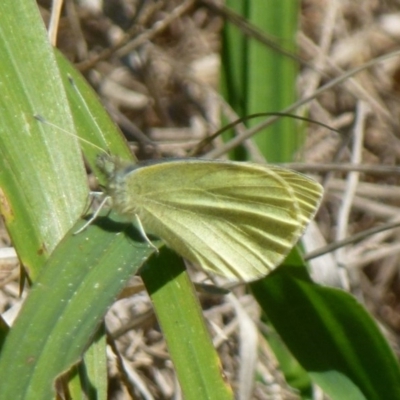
234,219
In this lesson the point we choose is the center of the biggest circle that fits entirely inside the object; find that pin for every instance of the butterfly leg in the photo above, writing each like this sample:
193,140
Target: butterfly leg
143,233
90,200
94,216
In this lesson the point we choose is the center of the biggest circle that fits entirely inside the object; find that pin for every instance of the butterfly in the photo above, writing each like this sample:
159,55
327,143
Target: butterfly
235,219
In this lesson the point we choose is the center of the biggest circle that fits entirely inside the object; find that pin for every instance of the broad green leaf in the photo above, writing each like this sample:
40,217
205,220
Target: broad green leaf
331,335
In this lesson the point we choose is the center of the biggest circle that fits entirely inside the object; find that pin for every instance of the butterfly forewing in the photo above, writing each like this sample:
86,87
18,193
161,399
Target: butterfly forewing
238,220
306,191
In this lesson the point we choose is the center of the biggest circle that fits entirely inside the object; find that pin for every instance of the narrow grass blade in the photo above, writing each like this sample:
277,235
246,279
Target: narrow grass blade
179,314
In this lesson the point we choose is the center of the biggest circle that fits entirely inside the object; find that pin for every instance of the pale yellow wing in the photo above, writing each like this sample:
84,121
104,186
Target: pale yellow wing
234,219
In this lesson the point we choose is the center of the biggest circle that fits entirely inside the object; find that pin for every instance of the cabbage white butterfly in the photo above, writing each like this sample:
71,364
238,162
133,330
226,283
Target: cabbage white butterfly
234,219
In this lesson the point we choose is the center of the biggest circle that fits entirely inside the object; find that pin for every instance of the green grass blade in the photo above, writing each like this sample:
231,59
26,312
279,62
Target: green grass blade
260,79
93,125
179,314
67,303
42,179
272,76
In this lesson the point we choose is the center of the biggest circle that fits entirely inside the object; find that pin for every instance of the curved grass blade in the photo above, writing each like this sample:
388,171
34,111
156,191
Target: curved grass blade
93,124
83,277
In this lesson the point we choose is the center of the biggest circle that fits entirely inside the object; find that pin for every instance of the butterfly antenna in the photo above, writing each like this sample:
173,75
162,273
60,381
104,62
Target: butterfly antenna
43,120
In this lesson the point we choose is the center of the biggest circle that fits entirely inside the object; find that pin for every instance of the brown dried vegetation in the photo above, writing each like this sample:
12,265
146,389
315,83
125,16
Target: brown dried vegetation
155,65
